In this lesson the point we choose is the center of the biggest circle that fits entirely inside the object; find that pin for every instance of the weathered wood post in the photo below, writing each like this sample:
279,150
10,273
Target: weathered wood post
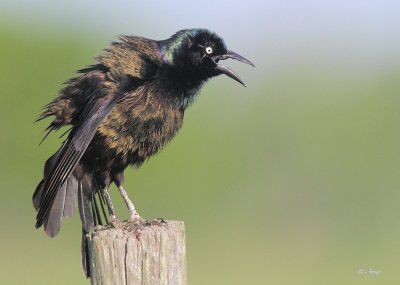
147,255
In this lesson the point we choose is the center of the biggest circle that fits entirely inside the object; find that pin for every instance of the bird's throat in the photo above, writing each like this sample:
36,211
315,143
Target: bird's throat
179,87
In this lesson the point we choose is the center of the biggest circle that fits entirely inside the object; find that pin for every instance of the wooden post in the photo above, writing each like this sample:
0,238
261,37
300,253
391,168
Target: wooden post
146,255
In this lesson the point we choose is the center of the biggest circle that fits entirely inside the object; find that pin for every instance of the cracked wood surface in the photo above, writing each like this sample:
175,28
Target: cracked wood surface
153,254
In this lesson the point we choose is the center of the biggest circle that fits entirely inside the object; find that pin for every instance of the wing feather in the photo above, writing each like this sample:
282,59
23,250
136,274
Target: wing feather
71,195
99,106
126,65
52,223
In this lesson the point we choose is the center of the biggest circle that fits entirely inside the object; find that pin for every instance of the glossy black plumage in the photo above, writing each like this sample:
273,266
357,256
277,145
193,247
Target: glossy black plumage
123,109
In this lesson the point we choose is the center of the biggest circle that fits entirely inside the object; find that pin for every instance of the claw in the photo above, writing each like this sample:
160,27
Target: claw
115,222
135,218
156,221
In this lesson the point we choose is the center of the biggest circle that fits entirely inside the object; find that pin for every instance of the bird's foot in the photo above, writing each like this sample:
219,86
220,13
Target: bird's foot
115,222
135,218
156,221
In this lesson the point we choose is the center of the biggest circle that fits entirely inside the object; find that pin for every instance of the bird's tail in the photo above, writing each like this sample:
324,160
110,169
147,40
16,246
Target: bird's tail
79,187
64,203
90,212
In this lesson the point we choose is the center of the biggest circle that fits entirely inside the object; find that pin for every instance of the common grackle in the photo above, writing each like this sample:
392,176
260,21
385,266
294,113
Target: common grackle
122,110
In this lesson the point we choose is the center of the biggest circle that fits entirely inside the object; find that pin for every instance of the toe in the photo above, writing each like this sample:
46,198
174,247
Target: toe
134,217
115,222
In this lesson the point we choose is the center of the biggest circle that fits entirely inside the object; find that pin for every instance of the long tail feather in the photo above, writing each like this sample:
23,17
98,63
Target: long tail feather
52,223
37,196
71,196
103,209
97,210
64,202
85,254
85,210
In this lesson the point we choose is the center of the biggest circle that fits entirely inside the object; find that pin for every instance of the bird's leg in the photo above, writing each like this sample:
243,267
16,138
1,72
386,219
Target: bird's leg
133,214
113,219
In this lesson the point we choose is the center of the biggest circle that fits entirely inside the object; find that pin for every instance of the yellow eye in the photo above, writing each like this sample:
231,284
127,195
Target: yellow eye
209,50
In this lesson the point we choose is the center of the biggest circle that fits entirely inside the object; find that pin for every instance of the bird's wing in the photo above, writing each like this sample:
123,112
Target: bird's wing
127,66
101,100
134,59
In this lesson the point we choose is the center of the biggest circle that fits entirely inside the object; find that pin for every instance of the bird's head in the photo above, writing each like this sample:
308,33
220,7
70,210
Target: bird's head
198,51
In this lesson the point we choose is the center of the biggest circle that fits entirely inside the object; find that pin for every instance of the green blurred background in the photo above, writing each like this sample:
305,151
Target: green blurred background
292,180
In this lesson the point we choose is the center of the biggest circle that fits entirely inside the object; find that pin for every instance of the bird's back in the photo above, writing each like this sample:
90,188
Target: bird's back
129,63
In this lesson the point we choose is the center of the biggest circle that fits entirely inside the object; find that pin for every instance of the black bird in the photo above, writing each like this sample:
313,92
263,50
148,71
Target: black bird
122,110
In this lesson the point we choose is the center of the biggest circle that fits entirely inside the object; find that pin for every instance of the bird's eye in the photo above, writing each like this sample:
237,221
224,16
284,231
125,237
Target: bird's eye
209,50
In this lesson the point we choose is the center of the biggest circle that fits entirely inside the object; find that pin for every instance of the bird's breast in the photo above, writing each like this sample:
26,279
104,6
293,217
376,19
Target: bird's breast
140,126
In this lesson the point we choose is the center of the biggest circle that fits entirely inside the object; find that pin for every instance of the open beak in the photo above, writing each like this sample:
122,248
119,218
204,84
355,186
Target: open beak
227,71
